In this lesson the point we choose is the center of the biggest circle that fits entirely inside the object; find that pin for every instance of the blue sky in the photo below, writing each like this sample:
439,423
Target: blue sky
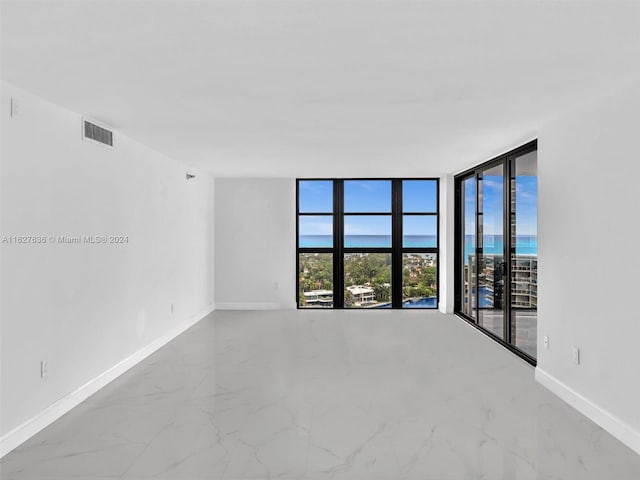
316,225
419,225
353,225
469,192
492,208
368,225
526,205
367,196
316,196
418,196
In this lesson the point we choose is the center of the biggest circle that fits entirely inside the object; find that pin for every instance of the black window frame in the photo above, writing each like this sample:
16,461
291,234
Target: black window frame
397,250
506,160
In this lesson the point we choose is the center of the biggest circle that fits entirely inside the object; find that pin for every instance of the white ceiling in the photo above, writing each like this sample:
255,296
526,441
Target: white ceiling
313,88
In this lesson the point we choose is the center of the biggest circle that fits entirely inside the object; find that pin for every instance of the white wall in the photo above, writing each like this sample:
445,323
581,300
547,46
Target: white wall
85,308
255,243
447,244
589,214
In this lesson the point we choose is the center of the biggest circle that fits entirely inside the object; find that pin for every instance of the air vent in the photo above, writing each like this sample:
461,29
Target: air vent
97,133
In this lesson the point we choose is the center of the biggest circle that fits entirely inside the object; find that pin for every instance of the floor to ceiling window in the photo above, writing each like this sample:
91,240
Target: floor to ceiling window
367,243
496,248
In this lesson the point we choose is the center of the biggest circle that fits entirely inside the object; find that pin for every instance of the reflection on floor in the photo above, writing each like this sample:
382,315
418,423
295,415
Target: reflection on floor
525,331
525,324
325,395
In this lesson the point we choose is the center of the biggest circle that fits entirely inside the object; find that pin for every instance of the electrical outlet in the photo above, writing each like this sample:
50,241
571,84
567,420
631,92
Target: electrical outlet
15,108
44,368
576,355
546,342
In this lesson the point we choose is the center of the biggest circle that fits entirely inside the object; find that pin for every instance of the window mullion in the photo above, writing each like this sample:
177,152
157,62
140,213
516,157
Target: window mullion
338,244
396,243
387,259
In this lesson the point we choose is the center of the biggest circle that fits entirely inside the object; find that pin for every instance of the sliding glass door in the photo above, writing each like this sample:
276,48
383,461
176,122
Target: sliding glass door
524,252
496,248
490,249
466,285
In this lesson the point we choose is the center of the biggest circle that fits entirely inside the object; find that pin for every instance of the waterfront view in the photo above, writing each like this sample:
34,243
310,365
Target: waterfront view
499,285
367,280
354,222
369,241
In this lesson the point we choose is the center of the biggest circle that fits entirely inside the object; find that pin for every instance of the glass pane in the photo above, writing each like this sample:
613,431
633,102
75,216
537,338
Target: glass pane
367,280
468,203
367,196
419,196
491,256
315,280
315,196
367,231
524,255
419,280
315,231
420,231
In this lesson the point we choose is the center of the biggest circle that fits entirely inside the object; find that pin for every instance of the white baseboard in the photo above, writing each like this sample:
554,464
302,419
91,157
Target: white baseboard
597,414
14,438
248,306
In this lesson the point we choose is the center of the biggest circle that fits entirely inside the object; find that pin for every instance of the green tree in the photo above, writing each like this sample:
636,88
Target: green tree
348,298
382,291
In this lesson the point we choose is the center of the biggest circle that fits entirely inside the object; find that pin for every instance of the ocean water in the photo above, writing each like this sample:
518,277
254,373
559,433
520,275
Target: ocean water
493,244
371,241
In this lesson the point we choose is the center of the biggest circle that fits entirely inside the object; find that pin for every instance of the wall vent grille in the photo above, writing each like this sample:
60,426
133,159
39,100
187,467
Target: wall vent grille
97,133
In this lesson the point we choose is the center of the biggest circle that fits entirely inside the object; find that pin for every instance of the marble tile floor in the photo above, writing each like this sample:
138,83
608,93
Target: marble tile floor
353,395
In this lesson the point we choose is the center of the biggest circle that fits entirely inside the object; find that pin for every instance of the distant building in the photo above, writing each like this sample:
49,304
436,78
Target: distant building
524,283
319,298
362,294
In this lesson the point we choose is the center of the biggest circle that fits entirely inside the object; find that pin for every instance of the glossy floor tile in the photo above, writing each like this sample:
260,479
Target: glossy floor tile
321,395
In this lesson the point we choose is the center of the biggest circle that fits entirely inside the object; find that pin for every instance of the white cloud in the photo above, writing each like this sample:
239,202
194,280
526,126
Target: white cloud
310,227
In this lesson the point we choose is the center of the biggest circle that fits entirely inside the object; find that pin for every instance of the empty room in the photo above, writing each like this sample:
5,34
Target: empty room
319,240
